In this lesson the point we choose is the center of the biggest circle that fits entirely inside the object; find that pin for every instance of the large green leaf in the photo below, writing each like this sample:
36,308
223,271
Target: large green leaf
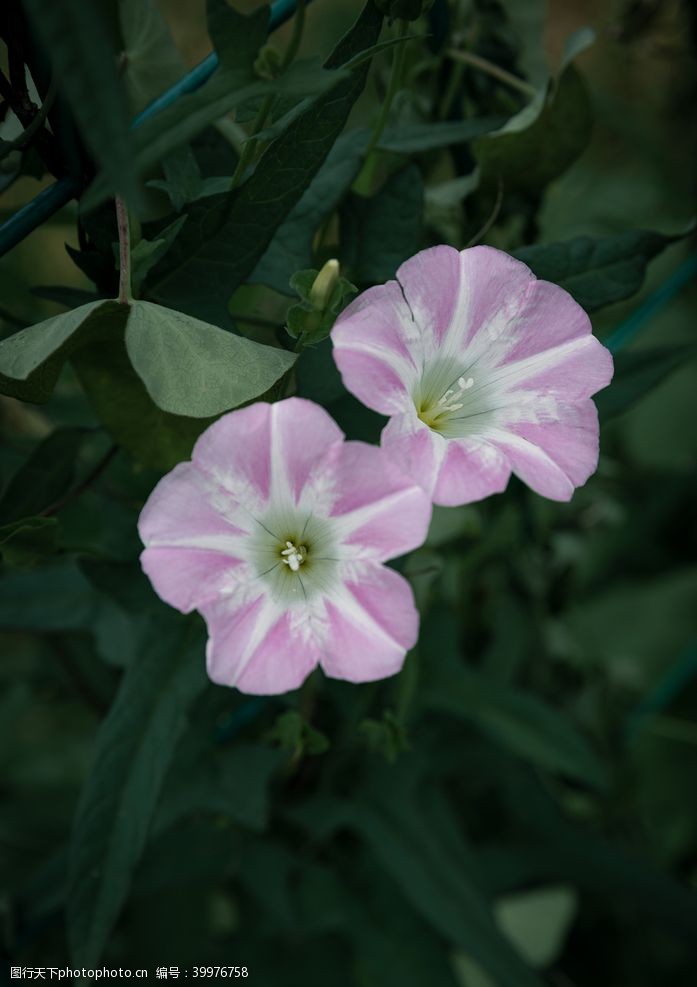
226,235
520,722
76,39
133,751
597,271
32,359
637,372
194,369
539,143
383,231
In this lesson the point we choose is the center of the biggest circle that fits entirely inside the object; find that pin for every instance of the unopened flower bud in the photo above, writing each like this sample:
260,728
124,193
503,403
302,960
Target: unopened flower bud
324,284
407,10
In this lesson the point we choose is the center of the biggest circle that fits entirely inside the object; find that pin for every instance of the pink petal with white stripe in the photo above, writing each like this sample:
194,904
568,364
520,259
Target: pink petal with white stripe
372,625
471,470
377,507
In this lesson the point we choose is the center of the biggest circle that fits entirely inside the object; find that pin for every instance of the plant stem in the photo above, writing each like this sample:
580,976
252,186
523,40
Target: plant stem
484,65
406,683
364,182
249,146
392,89
124,252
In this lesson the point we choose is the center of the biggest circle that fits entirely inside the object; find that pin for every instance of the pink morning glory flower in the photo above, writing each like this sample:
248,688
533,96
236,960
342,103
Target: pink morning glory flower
276,532
484,371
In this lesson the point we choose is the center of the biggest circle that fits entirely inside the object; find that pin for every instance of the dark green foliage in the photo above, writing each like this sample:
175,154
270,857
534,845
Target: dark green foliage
226,235
597,271
516,807
83,58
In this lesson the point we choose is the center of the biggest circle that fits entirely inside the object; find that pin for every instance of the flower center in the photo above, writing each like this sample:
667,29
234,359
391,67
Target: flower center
293,556
435,413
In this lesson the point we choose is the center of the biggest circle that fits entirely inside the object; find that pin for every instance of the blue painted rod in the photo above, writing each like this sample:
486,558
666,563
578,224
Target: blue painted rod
53,198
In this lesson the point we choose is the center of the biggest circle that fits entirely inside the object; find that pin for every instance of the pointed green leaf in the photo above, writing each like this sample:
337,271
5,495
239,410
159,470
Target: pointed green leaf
133,751
32,359
545,138
518,721
637,372
598,271
383,231
195,369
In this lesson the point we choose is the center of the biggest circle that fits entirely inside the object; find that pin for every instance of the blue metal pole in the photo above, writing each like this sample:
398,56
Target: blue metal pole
53,198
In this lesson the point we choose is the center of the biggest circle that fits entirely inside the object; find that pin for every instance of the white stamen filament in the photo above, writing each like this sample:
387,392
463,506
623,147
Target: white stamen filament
292,556
446,404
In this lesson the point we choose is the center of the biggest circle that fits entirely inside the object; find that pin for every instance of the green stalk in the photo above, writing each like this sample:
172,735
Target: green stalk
125,295
364,182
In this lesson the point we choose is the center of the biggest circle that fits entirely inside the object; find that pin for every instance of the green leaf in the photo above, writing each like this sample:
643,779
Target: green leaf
293,733
291,247
147,253
24,543
150,58
520,722
194,369
182,182
32,359
598,271
122,404
227,235
637,372
55,599
75,37
537,922
45,476
383,231
133,751
412,138
545,138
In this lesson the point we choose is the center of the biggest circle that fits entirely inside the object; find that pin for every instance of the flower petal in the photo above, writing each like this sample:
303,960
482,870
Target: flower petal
415,448
302,432
186,578
432,281
376,348
471,470
188,509
378,508
570,444
572,371
236,451
372,624
250,646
